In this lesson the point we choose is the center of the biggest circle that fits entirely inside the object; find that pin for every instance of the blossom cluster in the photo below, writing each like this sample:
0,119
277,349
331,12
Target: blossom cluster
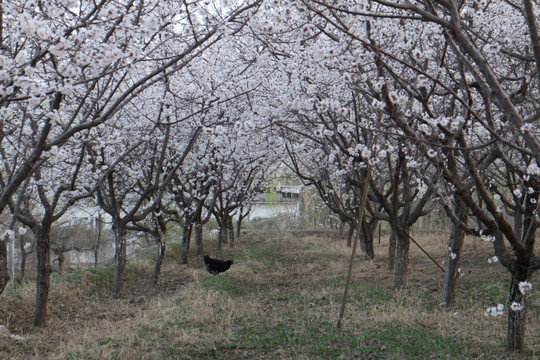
495,310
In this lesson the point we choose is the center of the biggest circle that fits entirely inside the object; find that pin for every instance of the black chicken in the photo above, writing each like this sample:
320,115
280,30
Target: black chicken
215,266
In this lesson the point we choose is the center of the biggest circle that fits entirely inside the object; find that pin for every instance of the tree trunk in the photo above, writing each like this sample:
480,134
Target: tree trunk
239,224
363,238
61,259
520,271
120,257
95,258
44,270
367,242
11,260
225,239
230,230
4,273
222,237
392,251
451,276
197,234
23,261
186,237
516,319
98,240
350,234
160,255
402,259
518,224
341,228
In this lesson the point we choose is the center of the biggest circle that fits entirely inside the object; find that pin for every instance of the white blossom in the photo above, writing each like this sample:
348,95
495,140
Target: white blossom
9,234
495,310
328,132
149,23
525,287
515,306
417,55
432,153
492,49
377,86
529,128
423,81
533,169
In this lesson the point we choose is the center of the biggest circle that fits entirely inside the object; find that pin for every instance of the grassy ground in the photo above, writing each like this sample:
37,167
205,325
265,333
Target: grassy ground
280,300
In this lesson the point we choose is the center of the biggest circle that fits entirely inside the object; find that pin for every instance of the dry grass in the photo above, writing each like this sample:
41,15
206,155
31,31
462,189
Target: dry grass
279,300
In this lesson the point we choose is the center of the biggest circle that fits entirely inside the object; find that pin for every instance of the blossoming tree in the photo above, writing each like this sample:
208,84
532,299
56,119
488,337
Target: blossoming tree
469,94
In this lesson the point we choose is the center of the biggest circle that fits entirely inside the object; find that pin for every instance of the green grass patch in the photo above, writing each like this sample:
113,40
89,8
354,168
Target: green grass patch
534,299
101,277
69,277
289,297
365,295
271,256
430,300
225,284
91,280
97,280
296,337
397,342
173,250
173,352
482,290
265,253
78,355
15,290
146,254
370,293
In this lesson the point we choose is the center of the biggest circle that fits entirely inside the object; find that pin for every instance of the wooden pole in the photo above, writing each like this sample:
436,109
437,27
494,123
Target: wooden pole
361,212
